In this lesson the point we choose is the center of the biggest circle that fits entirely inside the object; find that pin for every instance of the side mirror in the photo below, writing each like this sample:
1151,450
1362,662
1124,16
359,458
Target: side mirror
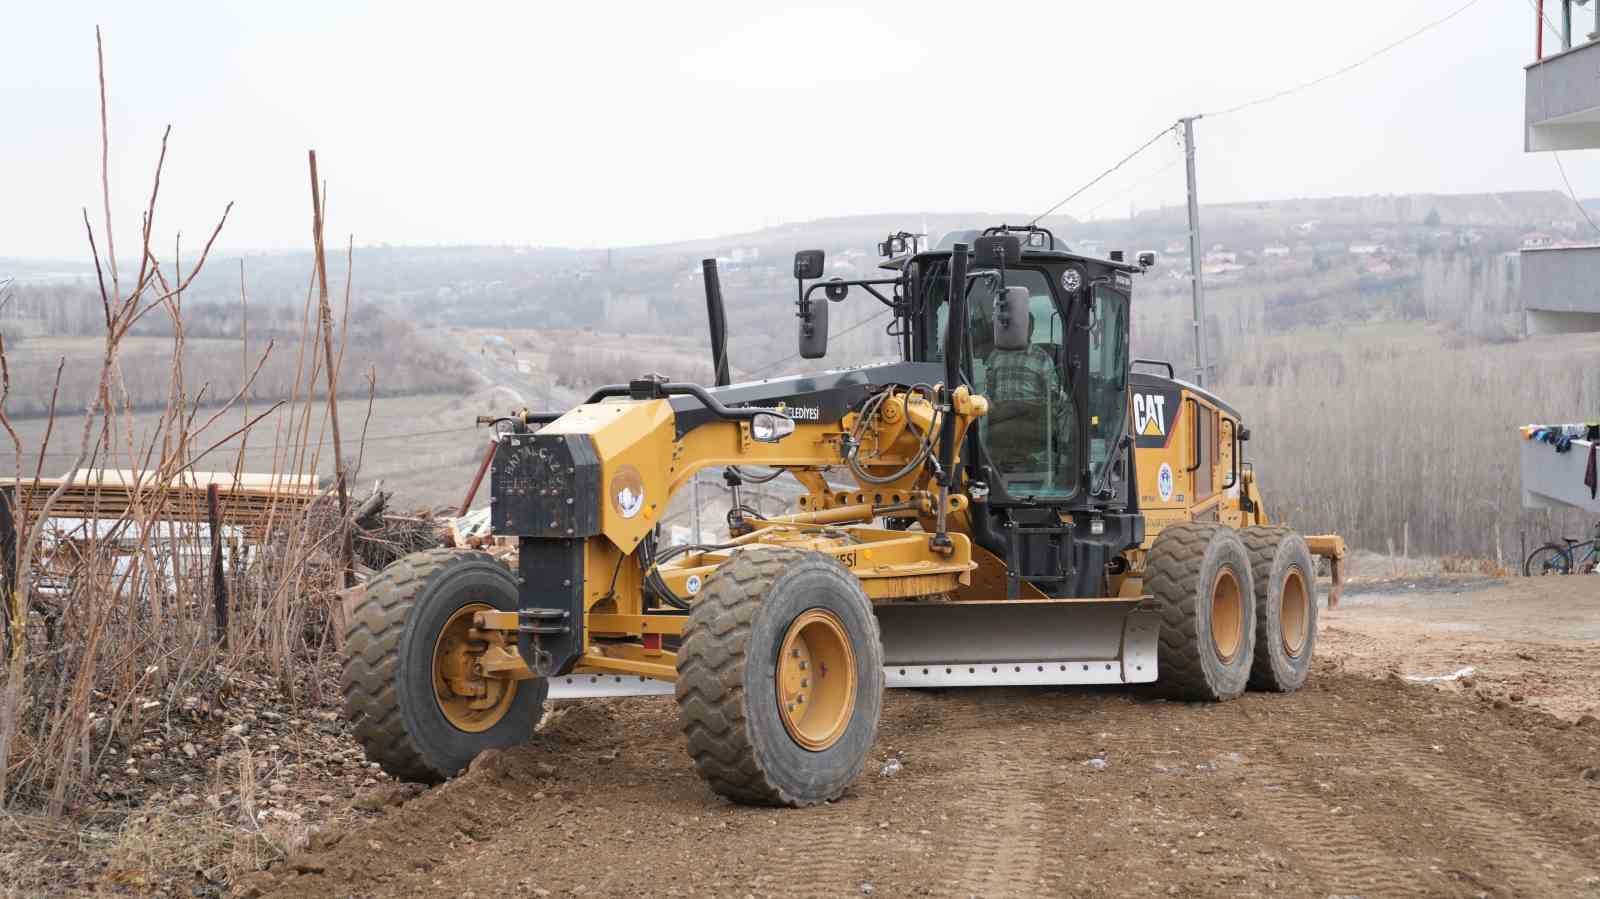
1147,258
813,324
998,251
1011,319
808,264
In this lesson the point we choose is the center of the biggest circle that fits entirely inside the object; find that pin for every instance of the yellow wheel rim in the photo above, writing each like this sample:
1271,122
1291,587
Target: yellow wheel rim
1294,613
816,679
1227,615
469,701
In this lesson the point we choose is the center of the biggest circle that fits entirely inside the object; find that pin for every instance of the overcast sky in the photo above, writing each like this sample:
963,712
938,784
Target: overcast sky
604,123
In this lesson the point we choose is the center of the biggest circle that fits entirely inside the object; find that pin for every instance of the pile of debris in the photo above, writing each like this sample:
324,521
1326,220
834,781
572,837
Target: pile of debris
472,531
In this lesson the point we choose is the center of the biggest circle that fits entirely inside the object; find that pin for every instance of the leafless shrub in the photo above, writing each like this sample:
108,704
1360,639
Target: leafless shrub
110,623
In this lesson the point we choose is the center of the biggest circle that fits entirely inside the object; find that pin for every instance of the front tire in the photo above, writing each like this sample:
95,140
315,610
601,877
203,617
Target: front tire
1200,577
409,624
780,678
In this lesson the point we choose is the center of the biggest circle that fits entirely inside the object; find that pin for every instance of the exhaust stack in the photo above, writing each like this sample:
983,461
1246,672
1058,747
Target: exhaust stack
717,316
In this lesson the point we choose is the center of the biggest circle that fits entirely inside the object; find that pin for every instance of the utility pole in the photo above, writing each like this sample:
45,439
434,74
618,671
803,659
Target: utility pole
1194,255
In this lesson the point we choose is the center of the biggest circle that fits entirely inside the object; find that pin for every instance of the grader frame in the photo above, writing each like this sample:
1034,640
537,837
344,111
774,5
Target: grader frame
943,567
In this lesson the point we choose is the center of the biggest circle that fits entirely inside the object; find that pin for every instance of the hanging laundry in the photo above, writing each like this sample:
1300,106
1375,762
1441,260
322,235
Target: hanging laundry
1590,479
1561,436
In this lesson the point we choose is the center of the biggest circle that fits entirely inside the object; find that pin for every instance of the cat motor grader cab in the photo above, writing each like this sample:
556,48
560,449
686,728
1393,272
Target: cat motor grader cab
1022,509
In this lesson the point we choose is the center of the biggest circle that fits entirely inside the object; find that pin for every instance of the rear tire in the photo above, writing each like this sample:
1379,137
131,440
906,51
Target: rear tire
1286,608
1200,577
388,679
1551,558
757,617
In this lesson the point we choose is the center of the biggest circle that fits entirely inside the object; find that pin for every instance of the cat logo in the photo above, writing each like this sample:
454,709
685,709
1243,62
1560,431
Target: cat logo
1149,415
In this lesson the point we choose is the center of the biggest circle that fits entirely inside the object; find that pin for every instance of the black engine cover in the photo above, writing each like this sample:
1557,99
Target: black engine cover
545,485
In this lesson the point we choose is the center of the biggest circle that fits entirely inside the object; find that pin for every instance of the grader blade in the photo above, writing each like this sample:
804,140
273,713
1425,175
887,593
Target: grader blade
1018,642
602,686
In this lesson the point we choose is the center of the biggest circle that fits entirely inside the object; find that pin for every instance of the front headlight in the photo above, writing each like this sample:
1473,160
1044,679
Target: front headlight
767,427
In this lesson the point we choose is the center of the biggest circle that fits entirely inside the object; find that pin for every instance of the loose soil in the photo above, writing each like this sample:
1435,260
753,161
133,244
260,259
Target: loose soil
1364,783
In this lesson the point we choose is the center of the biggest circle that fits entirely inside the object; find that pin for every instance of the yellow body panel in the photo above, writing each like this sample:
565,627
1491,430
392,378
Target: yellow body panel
1209,481
1194,475
632,438
636,442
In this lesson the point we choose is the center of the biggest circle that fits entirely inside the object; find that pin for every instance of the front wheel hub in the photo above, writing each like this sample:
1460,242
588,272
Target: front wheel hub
470,701
816,675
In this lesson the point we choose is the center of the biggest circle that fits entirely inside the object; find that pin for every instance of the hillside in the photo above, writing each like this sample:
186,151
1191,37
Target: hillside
1512,209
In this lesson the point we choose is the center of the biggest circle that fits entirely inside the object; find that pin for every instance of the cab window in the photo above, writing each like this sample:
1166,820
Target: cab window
1031,432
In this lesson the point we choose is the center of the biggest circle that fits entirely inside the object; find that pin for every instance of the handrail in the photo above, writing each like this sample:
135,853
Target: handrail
728,413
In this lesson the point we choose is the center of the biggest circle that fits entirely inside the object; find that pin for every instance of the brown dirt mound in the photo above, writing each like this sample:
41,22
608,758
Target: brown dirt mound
1352,786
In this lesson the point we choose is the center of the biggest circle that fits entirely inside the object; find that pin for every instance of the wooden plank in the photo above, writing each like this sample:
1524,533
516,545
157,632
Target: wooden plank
249,500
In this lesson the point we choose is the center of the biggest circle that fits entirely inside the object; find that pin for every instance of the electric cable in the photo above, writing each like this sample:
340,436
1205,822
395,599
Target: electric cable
310,445
1134,186
792,356
1348,68
1582,210
1100,177
1264,99
1573,194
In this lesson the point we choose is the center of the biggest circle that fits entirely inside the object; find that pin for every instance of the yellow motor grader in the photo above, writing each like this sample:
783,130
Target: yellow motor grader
1021,508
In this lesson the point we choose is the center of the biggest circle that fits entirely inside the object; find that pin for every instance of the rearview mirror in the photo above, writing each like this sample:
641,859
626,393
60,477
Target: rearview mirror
1011,324
808,264
1147,258
813,323
998,251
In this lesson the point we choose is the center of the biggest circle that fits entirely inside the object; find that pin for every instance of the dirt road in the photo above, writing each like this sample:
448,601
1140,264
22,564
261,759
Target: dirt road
1362,784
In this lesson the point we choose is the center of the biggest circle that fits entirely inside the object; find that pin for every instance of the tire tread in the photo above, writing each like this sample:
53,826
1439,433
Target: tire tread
1172,576
711,666
372,662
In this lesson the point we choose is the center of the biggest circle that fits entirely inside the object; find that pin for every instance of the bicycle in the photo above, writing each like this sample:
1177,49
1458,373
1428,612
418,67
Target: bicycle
1566,557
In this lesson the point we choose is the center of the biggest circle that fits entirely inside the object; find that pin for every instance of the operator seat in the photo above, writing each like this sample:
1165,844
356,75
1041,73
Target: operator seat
1023,403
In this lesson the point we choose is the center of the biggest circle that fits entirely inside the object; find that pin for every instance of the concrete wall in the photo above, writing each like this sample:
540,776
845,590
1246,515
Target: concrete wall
1561,289
1552,480
1562,322
1563,100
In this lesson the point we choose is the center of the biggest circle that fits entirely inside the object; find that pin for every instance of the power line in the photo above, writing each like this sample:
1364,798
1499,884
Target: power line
315,444
1546,19
1100,177
1268,98
1135,186
1562,168
1573,194
1351,67
860,324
